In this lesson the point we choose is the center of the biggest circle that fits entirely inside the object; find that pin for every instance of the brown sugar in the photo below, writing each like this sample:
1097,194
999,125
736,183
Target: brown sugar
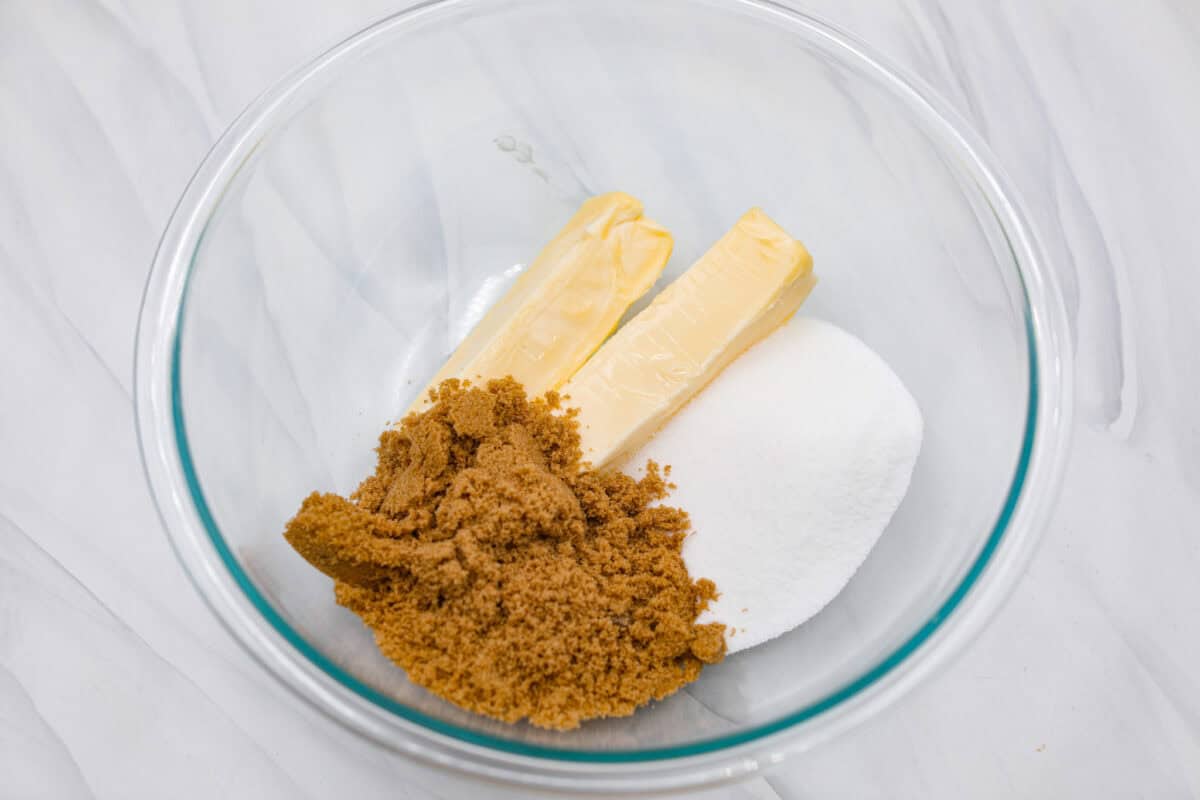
506,576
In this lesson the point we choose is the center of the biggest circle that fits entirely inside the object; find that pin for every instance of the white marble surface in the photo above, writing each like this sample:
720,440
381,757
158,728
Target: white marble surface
116,682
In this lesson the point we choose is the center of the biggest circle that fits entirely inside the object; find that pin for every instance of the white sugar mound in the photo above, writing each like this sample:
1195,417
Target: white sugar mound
791,463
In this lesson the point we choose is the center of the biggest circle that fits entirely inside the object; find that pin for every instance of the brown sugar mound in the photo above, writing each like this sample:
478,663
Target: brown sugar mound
504,575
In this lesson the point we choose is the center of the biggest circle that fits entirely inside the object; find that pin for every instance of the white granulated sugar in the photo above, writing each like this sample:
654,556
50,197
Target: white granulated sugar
791,463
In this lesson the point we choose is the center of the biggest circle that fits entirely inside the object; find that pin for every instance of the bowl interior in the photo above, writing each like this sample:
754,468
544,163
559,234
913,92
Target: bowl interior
401,191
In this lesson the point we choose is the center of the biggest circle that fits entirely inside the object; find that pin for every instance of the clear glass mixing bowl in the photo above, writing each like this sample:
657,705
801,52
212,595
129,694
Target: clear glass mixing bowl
351,226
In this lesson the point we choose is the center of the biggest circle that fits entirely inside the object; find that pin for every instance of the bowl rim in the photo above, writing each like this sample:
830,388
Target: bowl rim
232,596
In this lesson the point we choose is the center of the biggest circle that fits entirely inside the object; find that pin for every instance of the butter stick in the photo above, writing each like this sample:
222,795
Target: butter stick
750,282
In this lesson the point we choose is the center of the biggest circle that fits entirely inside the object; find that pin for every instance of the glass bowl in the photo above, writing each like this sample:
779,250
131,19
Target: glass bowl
354,222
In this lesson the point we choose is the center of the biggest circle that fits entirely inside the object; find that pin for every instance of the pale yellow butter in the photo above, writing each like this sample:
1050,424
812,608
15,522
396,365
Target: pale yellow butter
568,300
750,282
